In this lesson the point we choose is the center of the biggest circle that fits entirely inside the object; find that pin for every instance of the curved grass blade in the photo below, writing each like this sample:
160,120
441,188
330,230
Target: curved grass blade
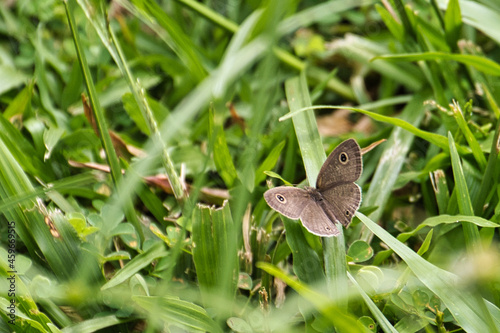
136,264
448,219
433,138
482,64
211,15
174,310
96,324
468,309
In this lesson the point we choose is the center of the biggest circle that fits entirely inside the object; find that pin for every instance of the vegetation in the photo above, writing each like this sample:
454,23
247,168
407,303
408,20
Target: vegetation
138,205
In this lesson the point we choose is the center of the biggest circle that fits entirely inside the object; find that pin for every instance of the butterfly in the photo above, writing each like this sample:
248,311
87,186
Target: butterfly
334,199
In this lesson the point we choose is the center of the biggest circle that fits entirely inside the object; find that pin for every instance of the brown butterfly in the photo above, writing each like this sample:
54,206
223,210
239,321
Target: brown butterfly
334,199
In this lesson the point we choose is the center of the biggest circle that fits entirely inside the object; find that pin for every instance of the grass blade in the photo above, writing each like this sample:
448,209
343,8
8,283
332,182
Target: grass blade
98,113
136,264
468,310
313,155
453,23
342,321
222,156
178,41
143,114
215,254
379,316
482,64
469,136
490,178
433,138
471,233
173,310
394,154
479,16
95,324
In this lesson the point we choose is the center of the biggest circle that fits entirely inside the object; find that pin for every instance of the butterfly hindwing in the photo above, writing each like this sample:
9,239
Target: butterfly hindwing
341,202
317,222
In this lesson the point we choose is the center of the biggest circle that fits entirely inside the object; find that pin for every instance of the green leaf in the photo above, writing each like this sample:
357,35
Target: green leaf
425,244
159,111
132,108
98,113
480,16
434,34
22,150
490,178
433,138
479,221
77,220
369,323
360,251
114,256
394,155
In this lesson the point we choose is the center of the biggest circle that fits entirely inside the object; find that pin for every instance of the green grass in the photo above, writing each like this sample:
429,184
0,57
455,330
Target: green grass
142,210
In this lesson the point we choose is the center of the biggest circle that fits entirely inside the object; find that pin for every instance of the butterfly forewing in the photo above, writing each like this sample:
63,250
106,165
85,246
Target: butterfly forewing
289,201
341,202
344,165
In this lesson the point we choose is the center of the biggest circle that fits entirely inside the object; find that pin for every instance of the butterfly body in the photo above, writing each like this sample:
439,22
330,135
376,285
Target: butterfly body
313,193
334,199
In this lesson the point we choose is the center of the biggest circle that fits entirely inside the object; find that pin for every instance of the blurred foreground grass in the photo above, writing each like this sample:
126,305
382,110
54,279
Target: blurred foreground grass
138,206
